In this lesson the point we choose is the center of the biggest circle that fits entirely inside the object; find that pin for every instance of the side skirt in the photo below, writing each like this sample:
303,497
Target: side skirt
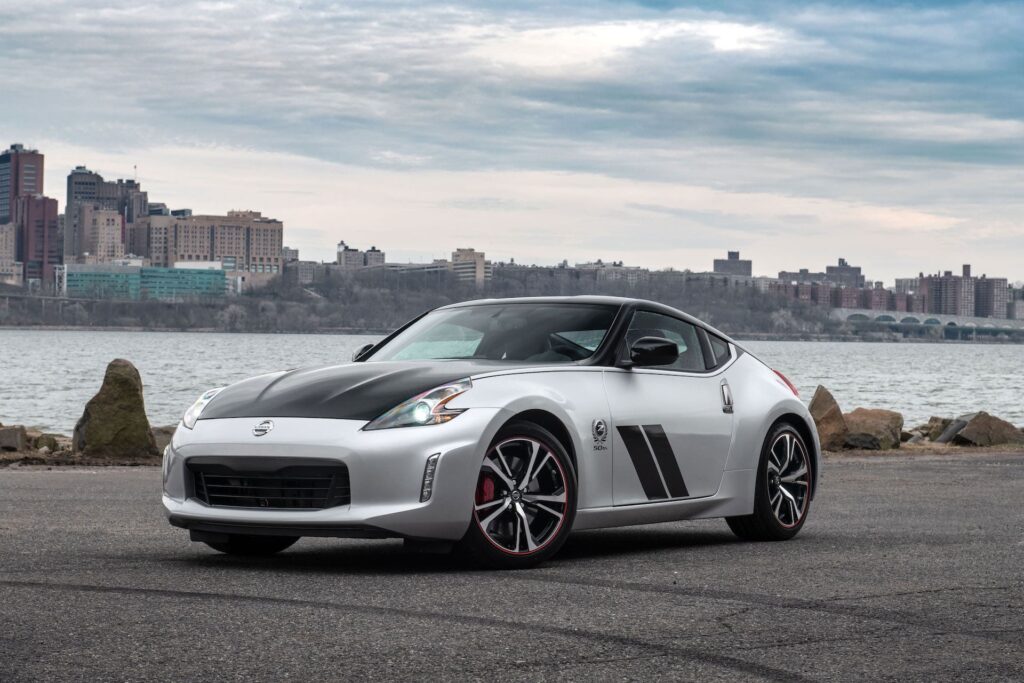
735,497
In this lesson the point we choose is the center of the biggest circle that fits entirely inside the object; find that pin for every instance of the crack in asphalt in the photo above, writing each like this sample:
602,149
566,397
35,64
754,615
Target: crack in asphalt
701,656
782,602
927,591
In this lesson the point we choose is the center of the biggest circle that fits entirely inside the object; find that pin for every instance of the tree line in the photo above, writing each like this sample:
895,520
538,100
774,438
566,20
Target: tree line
381,300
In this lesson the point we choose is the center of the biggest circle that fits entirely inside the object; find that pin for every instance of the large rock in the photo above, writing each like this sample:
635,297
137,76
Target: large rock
114,423
46,441
873,429
13,438
936,425
951,430
829,420
163,436
986,430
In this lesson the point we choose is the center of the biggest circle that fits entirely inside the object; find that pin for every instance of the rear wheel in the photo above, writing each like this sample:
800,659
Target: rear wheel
239,544
525,499
782,497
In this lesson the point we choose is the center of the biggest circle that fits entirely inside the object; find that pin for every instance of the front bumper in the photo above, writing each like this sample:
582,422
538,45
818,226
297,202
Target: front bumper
385,472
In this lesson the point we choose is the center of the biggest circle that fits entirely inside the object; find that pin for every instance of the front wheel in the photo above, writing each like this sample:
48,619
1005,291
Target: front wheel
525,499
239,544
783,490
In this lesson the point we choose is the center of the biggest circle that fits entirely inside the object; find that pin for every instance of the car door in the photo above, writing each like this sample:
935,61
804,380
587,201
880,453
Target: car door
671,429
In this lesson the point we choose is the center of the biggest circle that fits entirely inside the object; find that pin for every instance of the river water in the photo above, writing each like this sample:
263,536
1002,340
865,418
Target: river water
47,376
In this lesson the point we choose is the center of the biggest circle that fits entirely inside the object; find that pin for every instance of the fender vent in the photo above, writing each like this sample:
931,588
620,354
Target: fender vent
299,487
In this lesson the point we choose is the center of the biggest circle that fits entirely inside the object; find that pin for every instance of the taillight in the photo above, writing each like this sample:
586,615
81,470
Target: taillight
788,383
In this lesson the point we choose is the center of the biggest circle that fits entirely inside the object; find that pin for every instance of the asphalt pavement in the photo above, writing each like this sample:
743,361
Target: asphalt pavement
909,568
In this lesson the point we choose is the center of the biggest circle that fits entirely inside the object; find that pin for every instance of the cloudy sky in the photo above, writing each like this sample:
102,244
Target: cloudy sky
659,133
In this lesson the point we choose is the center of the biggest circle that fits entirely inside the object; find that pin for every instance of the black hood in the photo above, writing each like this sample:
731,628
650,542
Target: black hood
355,391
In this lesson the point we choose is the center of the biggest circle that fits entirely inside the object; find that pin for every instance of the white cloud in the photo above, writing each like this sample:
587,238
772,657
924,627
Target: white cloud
590,49
535,131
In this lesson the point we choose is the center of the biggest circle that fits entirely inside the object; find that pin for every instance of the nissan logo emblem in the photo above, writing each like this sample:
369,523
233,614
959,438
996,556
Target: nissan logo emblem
263,428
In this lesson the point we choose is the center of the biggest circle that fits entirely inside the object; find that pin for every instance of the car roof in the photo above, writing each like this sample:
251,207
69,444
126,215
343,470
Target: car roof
583,299
593,299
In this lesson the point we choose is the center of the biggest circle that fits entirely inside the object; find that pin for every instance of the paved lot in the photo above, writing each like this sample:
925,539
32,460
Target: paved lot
908,569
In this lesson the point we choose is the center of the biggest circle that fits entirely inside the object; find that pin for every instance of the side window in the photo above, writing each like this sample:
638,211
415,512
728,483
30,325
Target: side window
719,349
647,324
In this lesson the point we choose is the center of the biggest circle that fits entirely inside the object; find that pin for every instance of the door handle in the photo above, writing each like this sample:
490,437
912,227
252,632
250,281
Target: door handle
726,398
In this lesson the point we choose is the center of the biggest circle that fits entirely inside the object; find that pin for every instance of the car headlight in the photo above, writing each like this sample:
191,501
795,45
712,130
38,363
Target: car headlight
429,408
196,409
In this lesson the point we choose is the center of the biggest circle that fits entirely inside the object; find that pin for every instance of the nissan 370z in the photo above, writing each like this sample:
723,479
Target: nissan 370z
496,428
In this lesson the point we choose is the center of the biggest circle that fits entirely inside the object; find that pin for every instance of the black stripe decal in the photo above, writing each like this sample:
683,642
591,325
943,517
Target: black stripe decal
643,462
666,461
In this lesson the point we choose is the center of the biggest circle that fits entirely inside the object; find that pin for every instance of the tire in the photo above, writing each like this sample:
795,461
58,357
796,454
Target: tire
779,509
252,546
516,525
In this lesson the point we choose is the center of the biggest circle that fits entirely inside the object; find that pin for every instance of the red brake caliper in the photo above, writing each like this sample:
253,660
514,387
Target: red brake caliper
484,489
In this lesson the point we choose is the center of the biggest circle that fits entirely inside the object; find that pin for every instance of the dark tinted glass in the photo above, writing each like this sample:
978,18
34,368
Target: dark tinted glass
646,324
720,349
534,333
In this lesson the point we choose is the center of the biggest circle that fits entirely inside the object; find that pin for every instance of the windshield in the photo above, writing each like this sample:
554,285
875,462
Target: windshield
534,333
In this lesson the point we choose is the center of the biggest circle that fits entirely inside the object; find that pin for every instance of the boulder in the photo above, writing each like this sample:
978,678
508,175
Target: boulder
163,435
13,438
46,441
873,429
951,430
45,450
828,418
936,425
114,422
862,441
986,430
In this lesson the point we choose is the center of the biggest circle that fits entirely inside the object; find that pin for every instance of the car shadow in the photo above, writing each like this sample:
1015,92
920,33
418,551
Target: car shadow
391,557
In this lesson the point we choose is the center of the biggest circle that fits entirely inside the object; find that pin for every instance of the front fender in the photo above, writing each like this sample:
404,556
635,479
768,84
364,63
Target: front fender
576,398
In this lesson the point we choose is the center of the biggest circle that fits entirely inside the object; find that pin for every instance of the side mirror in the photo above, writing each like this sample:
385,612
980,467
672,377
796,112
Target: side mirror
360,351
647,351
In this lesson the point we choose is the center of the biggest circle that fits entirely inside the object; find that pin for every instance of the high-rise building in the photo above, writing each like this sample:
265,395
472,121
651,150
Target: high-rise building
349,257
908,285
85,186
102,233
991,296
878,298
846,297
374,257
11,269
37,246
244,241
470,265
21,173
733,265
288,254
844,275
949,294
801,277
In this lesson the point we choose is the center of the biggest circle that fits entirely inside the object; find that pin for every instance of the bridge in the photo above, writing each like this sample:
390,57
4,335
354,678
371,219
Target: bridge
866,315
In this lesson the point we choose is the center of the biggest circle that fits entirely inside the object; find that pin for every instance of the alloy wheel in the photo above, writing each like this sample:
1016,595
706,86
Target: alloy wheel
789,479
521,498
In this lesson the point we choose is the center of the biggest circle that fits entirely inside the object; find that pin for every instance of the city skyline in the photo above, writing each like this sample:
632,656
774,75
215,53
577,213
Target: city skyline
108,220
660,135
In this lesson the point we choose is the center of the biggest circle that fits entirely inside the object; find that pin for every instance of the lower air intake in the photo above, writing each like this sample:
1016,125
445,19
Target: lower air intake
250,485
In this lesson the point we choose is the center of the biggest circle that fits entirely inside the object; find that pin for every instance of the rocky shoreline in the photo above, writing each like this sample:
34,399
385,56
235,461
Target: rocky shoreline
875,429
114,430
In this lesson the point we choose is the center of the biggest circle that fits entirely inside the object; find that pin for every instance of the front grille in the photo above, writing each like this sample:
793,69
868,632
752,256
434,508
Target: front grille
290,487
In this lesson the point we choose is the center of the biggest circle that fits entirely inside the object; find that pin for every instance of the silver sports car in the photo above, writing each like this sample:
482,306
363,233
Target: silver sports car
496,428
